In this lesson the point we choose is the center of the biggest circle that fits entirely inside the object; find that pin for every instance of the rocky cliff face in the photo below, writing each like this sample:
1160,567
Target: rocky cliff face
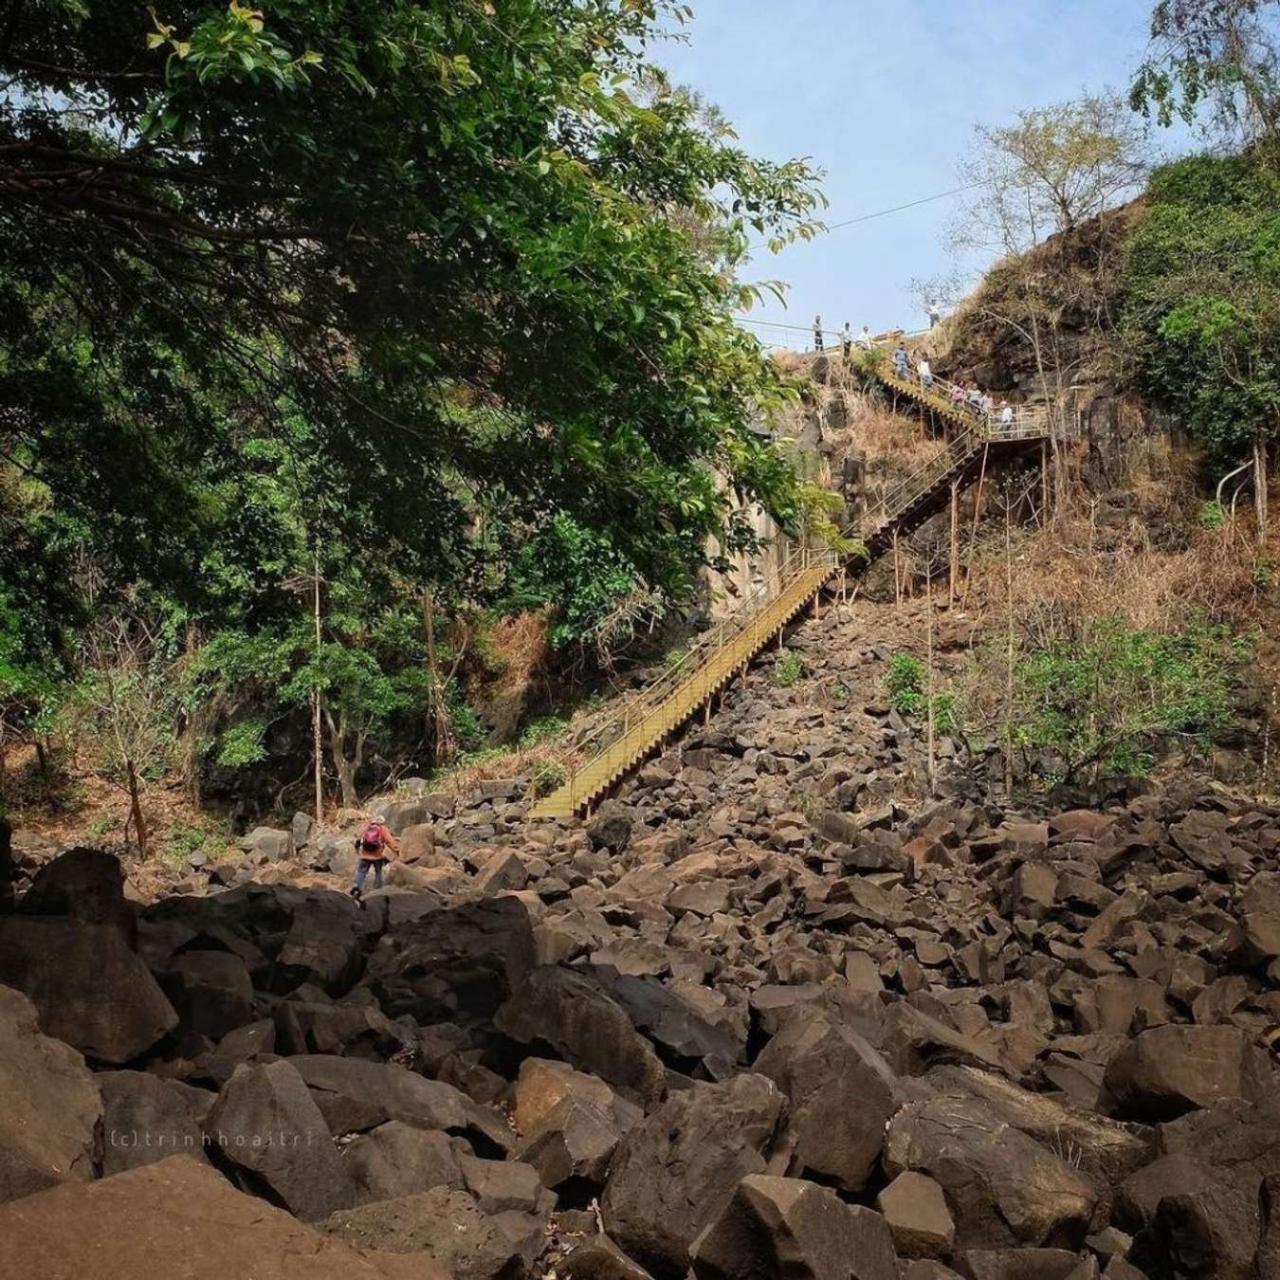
1063,297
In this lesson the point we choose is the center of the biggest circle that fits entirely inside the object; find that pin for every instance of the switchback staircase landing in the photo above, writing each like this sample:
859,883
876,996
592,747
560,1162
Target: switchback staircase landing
642,721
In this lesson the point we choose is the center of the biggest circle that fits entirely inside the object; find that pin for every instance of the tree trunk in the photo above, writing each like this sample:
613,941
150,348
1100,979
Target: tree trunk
317,737
345,766
1260,487
439,729
1008,690
135,807
346,778
928,695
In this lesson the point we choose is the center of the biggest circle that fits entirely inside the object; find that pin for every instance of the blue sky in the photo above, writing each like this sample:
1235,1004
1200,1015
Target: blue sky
884,97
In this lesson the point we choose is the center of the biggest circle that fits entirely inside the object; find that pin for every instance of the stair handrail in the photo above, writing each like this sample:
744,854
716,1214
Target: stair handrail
639,707
895,502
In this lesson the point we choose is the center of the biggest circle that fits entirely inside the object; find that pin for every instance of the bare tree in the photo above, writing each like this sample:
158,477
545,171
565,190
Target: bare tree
1045,176
119,713
1055,168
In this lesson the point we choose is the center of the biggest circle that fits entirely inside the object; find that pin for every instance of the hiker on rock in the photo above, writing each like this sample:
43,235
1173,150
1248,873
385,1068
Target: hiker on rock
374,845
865,340
846,340
817,333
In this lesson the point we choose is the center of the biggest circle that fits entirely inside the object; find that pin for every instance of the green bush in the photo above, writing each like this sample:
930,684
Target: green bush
547,777
789,668
1103,703
946,713
905,684
1212,515
539,732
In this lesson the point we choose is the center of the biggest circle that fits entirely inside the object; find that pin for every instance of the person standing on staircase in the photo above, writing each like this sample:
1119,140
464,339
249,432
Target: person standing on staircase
374,845
817,333
926,373
846,340
957,395
865,340
902,362
1006,415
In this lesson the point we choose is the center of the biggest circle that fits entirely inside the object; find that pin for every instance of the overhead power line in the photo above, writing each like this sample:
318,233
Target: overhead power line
884,213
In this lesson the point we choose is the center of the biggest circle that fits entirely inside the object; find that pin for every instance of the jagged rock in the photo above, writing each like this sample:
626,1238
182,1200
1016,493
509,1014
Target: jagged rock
51,1105
88,988
463,960
1168,1071
572,1014
83,884
1005,1189
1018,1264
610,828
675,1171
574,1140
146,1119
268,843
238,1046
447,1227
502,1185
916,1210
912,1042
688,1041
544,1083
396,1159
300,829
601,1259
176,1217
789,1227
266,1122
210,990
353,1096
842,1095
1260,919
355,1030
1212,1229
1102,1150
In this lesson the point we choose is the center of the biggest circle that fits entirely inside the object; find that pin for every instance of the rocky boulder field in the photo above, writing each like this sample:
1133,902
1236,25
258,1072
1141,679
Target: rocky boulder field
765,1015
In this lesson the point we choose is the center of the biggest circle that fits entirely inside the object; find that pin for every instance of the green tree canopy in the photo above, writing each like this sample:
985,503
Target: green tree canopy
421,261
1202,289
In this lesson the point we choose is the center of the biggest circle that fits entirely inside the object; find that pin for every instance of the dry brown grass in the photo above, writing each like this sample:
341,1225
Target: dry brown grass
1157,576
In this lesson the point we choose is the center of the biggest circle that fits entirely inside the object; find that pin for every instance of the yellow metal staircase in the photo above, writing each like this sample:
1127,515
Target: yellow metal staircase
642,721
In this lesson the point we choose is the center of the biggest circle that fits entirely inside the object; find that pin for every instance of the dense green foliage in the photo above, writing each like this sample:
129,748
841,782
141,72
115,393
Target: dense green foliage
1102,704
1202,298
905,685
441,287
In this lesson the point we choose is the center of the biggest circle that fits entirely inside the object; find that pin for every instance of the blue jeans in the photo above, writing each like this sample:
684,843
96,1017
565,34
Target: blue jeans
362,871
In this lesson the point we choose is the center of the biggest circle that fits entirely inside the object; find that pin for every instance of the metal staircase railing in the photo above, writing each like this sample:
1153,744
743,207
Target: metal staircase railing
644,718
611,747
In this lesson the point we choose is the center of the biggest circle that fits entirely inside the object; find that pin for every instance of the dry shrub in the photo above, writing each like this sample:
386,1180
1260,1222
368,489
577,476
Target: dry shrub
1076,571
512,655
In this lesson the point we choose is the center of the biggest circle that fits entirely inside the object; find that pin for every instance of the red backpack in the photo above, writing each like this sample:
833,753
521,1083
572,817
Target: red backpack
372,840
